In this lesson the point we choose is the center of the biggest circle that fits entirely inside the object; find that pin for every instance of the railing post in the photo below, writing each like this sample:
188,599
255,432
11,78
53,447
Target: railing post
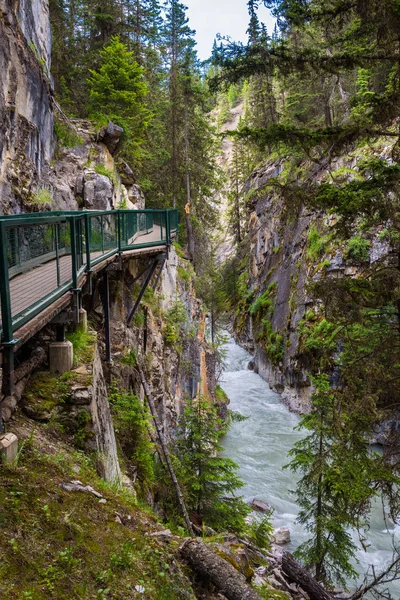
72,225
106,308
74,265
6,319
119,229
87,234
167,226
57,242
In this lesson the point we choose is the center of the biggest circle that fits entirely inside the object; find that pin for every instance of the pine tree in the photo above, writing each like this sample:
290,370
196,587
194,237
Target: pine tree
210,480
117,91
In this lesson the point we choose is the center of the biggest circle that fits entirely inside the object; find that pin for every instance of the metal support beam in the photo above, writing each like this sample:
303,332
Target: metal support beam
159,257
60,333
159,274
106,307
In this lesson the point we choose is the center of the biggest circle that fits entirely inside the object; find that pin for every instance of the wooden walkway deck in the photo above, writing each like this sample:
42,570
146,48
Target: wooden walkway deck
29,288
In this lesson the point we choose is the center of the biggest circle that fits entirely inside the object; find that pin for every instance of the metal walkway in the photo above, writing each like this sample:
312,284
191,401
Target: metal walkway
46,256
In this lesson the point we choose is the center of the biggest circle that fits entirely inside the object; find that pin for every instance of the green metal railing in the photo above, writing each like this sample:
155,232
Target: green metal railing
43,255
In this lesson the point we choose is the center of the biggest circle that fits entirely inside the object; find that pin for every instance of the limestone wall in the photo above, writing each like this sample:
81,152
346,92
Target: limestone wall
26,118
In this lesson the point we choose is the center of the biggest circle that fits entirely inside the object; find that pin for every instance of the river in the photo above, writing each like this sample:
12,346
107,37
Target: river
260,444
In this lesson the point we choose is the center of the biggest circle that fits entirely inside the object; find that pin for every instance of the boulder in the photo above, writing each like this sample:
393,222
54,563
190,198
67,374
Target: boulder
98,191
126,174
110,136
260,505
282,536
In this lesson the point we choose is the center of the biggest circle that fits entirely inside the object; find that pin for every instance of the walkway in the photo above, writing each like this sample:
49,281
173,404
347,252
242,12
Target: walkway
45,256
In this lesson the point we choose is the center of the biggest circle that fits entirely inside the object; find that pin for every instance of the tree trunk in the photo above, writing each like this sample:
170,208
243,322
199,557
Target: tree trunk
299,575
217,571
189,226
165,450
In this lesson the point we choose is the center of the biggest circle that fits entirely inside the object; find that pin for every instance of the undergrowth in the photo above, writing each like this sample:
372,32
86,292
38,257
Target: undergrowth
65,545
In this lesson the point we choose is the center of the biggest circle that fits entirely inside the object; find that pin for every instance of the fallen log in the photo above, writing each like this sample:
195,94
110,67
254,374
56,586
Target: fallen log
218,571
301,576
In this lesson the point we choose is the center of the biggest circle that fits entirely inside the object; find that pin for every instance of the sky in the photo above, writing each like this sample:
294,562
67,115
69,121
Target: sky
227,17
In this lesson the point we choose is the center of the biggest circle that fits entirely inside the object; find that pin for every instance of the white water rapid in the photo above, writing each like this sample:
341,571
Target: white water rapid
259,445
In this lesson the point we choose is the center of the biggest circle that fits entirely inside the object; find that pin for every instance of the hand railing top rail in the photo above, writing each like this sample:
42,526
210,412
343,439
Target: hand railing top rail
54,214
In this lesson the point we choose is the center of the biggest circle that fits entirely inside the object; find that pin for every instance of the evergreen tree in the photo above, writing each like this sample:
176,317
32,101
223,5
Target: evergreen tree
210,480
117,92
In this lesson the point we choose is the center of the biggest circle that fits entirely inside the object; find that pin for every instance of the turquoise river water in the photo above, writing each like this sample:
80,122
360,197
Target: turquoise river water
259,445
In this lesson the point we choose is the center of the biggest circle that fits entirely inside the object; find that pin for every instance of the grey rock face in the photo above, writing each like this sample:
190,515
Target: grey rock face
34,18
26,118
97,191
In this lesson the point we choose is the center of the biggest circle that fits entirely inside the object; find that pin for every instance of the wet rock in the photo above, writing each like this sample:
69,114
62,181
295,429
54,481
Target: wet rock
250,366
260,505
282,536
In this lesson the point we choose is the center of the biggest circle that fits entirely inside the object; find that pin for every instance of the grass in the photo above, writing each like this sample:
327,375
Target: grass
66,545
66,135
45,392
41,197
83,343
102,170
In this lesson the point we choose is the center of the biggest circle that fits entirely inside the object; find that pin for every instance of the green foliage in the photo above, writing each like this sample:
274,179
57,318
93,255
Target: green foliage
319,338
184,274
175,320
130,358
66,134
317,244
232,96
358,249
102,170
261,530
364,100
264,304
117,92
209,480
132,424
83,344
41,197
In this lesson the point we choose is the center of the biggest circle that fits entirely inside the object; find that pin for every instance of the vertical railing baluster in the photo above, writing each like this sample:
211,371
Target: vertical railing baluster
57,241
87,234
6,320
6,315
18,242
167,227
73,253
102,234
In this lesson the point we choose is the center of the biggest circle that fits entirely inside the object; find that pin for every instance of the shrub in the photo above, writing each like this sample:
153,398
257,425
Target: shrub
264,303
358,249
316,243
66,135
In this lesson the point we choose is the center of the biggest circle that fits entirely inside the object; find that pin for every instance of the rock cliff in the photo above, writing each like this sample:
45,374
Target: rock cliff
26,117
290,249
